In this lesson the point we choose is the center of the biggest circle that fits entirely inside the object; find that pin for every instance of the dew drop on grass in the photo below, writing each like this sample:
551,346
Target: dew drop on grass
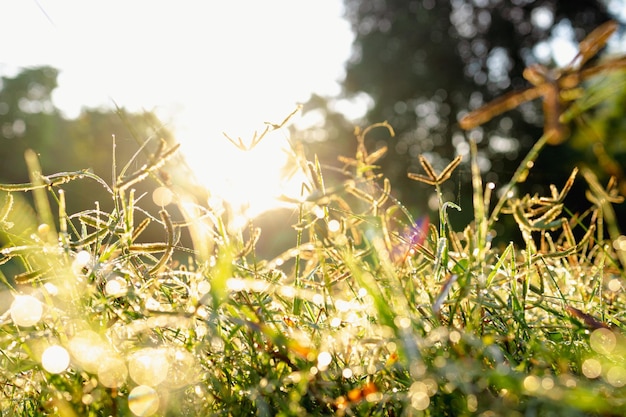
112,372
318,299
319,212
603,341
616,376
532,383
323,360
287,291
620,243
592,368
182,369
82,259
334,226
152,304
116,287
419,396
472,403
547,383
204,287
55,359
162,196
143,401
342,305
51,288
148,366
88,349
235,284
43,230
614,285
402,322
26,310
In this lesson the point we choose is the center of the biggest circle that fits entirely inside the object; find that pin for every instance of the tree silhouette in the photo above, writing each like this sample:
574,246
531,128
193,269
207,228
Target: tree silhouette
424,63
29,120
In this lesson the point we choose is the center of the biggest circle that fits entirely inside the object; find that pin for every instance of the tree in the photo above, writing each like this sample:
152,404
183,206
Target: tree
27,117
29,120
425,62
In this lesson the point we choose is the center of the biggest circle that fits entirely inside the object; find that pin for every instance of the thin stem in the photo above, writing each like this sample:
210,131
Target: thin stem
519,176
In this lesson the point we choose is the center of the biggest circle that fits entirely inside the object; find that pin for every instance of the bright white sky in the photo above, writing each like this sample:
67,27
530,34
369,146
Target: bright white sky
203,67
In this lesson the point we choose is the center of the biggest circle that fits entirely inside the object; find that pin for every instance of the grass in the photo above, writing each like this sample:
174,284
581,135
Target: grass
371,313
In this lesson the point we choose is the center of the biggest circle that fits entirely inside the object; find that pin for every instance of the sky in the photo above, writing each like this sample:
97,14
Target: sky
203,67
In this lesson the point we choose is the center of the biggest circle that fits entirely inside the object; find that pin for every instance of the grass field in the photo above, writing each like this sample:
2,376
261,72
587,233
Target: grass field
370,313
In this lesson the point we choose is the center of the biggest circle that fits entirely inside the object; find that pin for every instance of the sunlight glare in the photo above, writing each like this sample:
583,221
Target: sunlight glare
55,359
88,349
112,372
148,366
143,401
249,181
26,310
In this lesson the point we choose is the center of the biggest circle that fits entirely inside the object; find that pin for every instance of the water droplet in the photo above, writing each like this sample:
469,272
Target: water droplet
82,259
319,212
162,196
112,372
532,383
603,341
235,284
143,401
26,310
323,360
43,230
182,369
116,287
51,288
614,285
148,366
420,400
318,299
88,349
152,304
334,226
204,287
616,376
547,383
55,359
592,368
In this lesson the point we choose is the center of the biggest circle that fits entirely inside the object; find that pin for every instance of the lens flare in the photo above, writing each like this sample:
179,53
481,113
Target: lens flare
112,372
116,287
55,359
26,310
251,181
88,349
148,366
143,401
182,369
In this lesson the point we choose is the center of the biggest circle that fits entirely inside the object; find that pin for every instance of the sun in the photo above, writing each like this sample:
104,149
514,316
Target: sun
252,180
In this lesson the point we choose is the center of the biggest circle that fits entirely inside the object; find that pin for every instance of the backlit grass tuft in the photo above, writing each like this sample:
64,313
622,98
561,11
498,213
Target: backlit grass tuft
370,312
